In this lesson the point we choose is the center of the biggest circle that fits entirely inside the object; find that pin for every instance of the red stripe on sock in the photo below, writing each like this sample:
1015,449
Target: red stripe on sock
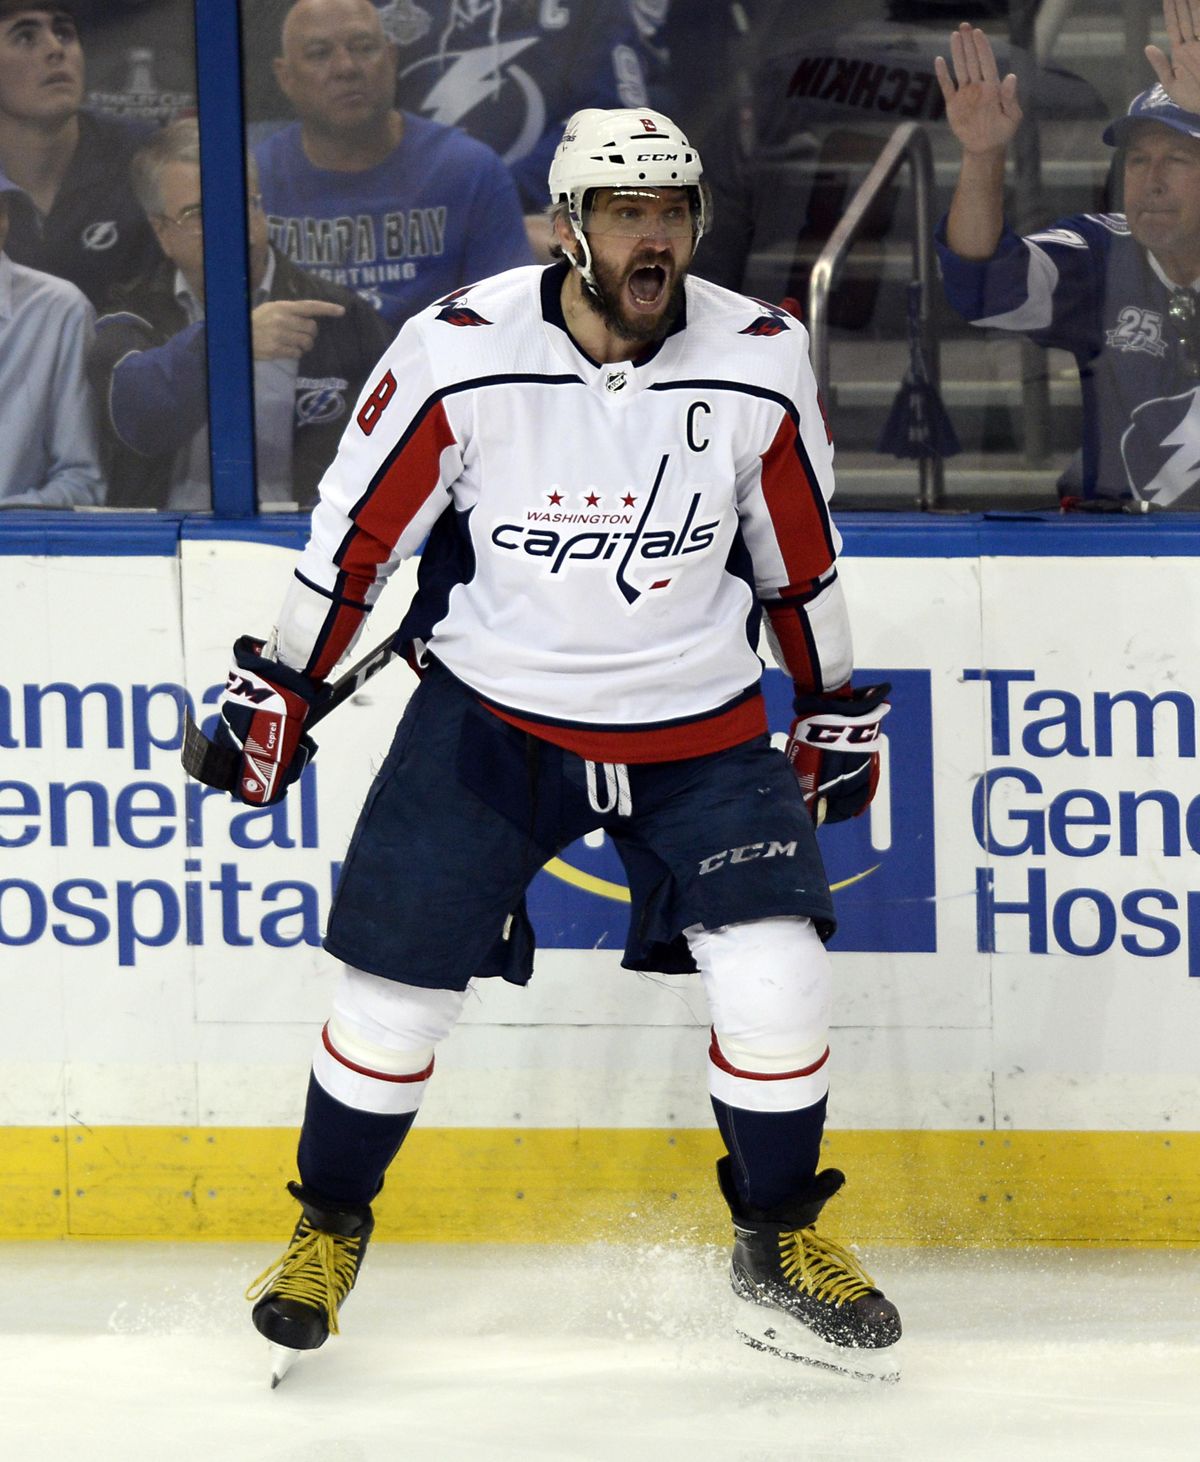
717,1057
366,1070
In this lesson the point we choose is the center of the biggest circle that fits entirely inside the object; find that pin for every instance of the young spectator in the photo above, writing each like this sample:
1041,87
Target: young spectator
314,345
392,205
47,421
75,214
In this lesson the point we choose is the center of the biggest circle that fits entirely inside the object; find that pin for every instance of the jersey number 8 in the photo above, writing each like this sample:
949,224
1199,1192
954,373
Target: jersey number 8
373,407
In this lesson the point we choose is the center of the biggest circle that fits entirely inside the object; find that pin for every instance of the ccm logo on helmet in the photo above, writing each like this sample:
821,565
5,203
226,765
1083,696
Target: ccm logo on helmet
658,157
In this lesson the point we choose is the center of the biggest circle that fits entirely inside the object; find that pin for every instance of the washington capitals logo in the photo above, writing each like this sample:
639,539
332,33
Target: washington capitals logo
456,313
637,550
774,322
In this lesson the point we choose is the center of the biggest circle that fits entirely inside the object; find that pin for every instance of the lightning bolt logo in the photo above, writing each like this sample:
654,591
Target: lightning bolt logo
473,77
1150,477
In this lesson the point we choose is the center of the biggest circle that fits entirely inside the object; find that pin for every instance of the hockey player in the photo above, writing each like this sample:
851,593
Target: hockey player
1118,290
618,468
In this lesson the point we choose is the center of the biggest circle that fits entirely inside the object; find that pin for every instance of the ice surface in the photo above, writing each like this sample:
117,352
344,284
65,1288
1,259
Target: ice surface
601,1354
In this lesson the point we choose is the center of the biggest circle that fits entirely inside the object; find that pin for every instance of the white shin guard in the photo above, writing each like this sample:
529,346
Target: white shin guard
769,989
375,1053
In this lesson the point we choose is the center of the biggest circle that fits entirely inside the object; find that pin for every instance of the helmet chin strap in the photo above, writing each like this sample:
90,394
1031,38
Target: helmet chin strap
583,262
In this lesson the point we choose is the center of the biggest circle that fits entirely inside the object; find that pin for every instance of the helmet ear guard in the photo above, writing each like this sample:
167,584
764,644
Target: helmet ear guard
622,148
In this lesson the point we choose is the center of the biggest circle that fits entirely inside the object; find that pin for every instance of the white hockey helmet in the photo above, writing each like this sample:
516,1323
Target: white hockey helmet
626,147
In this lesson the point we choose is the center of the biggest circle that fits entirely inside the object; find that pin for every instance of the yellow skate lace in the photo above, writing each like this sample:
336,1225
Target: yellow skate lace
821,1268
317,1269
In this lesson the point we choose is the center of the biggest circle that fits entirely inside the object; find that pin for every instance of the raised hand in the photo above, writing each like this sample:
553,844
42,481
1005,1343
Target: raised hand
1179,73
982,110
287,329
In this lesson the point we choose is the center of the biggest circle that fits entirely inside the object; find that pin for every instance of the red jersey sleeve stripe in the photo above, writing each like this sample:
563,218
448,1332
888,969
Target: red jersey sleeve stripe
798,511
339,629
395,496
793,634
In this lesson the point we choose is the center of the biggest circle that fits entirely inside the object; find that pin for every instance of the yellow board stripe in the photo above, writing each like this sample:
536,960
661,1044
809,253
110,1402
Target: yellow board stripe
619,892
630,1185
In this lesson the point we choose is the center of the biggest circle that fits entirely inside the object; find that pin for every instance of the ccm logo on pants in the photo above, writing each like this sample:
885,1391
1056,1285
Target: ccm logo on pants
747,853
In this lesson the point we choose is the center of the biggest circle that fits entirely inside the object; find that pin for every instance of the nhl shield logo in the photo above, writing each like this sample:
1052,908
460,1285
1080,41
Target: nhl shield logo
616,381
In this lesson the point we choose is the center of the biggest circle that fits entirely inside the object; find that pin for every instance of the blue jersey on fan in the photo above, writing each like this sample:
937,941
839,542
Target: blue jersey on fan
1085,285
438,213
510,72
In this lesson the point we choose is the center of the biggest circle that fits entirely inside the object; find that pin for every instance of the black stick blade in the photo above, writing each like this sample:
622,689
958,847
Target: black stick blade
215,766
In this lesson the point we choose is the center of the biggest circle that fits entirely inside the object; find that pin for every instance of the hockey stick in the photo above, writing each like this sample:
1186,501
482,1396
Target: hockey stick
217,766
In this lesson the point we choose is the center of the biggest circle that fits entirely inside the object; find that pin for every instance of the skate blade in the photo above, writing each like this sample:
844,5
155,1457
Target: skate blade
283,1358
778,1334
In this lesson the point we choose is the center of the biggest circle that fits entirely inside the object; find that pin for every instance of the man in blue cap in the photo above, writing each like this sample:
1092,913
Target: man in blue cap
1117,290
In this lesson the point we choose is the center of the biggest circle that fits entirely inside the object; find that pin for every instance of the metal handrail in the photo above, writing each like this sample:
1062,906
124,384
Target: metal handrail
908,143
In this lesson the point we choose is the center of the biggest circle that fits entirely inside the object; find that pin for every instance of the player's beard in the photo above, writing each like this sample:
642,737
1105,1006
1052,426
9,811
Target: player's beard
605,297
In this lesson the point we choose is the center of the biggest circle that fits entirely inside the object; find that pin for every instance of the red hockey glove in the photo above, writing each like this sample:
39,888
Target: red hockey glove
833,747
263,712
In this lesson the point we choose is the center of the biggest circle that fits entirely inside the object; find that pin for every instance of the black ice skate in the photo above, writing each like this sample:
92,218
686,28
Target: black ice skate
299,1296
814,1302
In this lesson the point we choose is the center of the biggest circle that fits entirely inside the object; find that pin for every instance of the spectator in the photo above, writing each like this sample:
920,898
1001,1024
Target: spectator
400,208
696,55
75,214
1118,290
314,345
47,422
511,74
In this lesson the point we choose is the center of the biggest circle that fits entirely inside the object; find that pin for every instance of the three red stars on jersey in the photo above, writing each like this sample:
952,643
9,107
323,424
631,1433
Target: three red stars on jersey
555,498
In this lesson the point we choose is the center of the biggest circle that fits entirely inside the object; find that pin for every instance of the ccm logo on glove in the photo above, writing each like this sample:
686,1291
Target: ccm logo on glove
833,747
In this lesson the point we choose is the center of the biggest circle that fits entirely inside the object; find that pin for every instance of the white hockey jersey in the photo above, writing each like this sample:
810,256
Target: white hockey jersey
599,540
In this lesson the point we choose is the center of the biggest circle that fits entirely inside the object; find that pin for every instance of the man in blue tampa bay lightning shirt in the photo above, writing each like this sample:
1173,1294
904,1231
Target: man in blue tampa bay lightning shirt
510,72
1118,290
399,208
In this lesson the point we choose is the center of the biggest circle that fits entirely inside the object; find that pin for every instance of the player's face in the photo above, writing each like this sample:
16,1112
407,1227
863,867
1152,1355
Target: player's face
1162,190
41,67
337,68
641,243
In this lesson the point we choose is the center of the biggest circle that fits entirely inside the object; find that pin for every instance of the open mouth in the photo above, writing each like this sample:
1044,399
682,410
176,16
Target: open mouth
648,285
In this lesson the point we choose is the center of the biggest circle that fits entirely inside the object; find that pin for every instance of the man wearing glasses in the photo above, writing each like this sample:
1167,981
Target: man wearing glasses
1115,289
74,214
313,344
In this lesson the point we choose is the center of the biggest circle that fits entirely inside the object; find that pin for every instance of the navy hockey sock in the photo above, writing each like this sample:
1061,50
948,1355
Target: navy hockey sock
343,1152
774,1154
